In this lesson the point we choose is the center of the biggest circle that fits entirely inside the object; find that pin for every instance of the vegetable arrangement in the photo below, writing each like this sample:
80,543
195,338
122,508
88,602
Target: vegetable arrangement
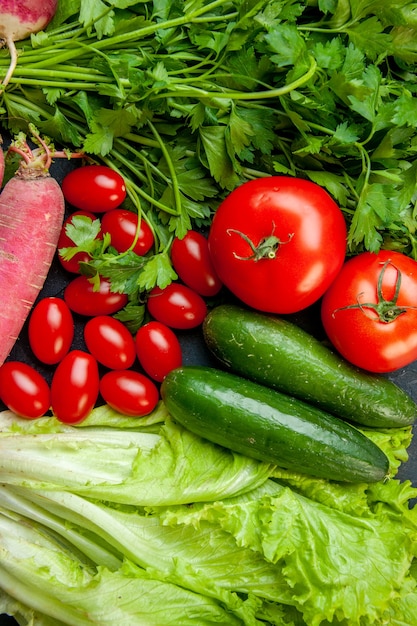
172,105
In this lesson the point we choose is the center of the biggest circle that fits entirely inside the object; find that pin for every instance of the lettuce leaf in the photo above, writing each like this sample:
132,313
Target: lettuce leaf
265,545
125,465
42,573
338,567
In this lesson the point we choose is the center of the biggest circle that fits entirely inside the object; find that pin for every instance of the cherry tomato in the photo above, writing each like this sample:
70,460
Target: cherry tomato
158,349
50,330
24,390
370,311
75,387
122,226
72,265
82,298
191,260
95,188
277,243
129,392
110,342
177,306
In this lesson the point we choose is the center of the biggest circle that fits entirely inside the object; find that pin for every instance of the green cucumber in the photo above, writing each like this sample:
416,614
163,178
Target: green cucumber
264,424
277,353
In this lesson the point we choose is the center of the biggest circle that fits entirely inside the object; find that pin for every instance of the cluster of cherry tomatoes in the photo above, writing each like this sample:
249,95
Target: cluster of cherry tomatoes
123,369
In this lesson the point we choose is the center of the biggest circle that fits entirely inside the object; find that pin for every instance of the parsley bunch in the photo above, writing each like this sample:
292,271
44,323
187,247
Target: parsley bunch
188,99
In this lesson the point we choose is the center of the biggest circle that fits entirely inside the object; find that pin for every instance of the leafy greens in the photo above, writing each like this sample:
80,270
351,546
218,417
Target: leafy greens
278,548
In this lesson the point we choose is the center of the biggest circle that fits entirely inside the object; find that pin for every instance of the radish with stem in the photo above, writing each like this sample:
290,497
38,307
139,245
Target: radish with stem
31,215
18,20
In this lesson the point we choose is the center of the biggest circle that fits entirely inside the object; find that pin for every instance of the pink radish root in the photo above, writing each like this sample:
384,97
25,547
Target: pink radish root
31,215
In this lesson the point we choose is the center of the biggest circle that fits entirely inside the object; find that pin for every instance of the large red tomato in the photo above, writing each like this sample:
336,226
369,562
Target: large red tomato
277,243
370,311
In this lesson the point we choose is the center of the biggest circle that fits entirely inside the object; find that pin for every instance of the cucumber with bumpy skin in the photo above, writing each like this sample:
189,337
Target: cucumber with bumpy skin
277,353
264,424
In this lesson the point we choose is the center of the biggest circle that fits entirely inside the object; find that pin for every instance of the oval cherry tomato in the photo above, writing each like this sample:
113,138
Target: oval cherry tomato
110,342
122,226
24,390
50,330
158,349
72,265
129,392
81,297
277,243
74,387
95,188
177,306
191,260
370,311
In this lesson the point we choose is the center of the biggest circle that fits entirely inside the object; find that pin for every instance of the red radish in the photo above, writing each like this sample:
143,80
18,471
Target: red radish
31,215
21,18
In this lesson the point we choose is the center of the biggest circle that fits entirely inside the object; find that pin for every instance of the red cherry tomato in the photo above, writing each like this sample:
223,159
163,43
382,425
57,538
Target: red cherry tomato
110,342
191,260
72,265
81,297
122,226
95,188
75,387
24,390
370,311
50,330
129,392
277,243
177,306
158,350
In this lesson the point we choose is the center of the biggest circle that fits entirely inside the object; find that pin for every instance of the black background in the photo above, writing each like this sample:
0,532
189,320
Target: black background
194,350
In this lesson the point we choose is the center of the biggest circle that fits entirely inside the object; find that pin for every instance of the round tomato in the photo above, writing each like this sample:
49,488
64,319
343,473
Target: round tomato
122,226
74,387
95,188
24,390
72,265
84,299
370,311
191,260
158,349
110,342
177,306
277,243
129,392
50,330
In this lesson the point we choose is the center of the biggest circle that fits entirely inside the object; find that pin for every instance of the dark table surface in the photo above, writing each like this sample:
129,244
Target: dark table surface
194,350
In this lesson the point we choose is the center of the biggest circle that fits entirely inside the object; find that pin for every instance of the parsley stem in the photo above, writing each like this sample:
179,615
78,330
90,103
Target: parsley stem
186,91
127,163
174,179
